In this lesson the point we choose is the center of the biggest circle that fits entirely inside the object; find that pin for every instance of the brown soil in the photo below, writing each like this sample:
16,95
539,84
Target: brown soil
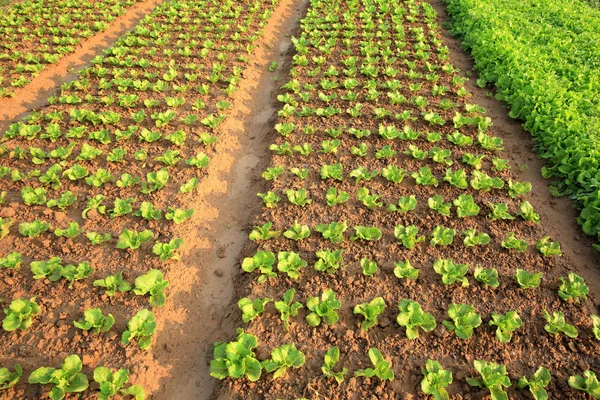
35,94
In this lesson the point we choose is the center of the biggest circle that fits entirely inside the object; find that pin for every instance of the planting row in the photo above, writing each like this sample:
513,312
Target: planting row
372,99
548,76
36,33
115,206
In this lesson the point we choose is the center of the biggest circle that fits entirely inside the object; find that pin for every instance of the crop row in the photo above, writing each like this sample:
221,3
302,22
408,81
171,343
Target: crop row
548,76
371,100
94,179
37,33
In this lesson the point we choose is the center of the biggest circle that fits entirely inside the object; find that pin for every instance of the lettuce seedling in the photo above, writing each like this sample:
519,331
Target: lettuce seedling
465,206
65,200
264,232
405,204
436,203
370,311
408,235
67,379
516,189
501,164
393,174
369,268
148,212
588,383
251,308
487,276
367,233
573,288
332,172
9,379
451,272
33,229
548,248
383,369
97,238
323,310
132,239
287,307
442,236
334,231
189,185
412,317
371,201
156,180
405,270
464,320
236,359
11,261
301,173
77,272
273,173
141,326
556,324
167,251
297,232
435,380
415,153
457,178
506,324
269,198
72,231
19,314
298,197
112,384
595,326
331,358
492,376
113,283
499,211
282,358
527,213
152,283
440,156
328,261
482,181
511,242
528,280
94,203
424,177
33,196
536,384
472,160
93,320
363,174
290,263
51,269
263,262
334,198
473,238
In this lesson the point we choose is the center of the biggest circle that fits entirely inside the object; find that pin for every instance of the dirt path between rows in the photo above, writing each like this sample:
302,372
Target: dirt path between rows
36,93
558,215
226,203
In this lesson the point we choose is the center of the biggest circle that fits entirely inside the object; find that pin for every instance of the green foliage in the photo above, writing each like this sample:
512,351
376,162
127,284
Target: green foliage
506,324
383,369
412,317
282,358
332,357
11,261
141,326
111,383
152,283
442,236
264,232
19,314
424,177
334,198
72,231
436,203
465,206
528,280
547,247
492,376
113,284
369,268
132,239
473,238
328,261
263,262
9,379
556,324
526,212
451,272
536,384
367,233
511,242
167,251
573,287
488,276
405,204
408,235
251,308
93,320
435,380
588,383
236,359
464,320
33,229
370,311
404,270
67,379
287,307
323,309
334,231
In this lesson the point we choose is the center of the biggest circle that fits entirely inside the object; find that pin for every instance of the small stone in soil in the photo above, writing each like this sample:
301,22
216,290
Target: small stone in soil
218,272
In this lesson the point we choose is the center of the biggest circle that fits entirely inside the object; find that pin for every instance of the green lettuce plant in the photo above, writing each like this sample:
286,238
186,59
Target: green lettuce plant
328,261
262,261
290,263
586,383
19,314
528,280
506,324
556,324
287,307
93,320
141,327
9,379
382,368
323,309
66,379
464,320
236,359
573,288
537,383
112,383
451,272
435,380
412,317
370,311
282,358
332,357
113,284
487,276
404,270
492,376
154,284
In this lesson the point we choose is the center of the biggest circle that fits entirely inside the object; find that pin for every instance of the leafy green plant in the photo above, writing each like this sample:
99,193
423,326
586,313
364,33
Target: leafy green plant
132,239
436,203
487,276
405,204
33,229
511,242
465,206
464,320
152,283
66,379
290,263
334,198
19,314
367,233
323,309
404,270
451,272
370,311
72,231
573,287
536,384
263,262
408,235
167,251
270,199
141,326
412,317
111,383
424,177
282,358
588,383
499,211
264,232
383,369
334,231
297,232
251,308
492,376
526,212
93,320
442,236
9,379
287,307
332,357
11,261
148,212
435,380
5,224
369,268
113,284
236,359
328,261
528,280
506,324
556,324
547,247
